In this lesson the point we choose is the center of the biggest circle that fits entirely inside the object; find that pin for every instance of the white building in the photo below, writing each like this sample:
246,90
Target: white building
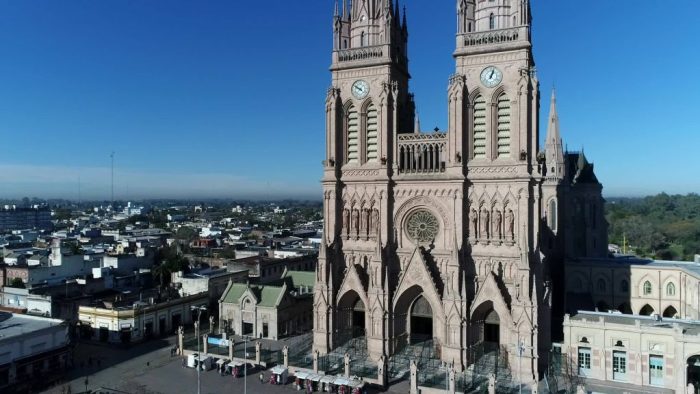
30,348
655,354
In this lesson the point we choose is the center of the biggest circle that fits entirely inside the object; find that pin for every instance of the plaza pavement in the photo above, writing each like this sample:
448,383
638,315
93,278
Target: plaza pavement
150,369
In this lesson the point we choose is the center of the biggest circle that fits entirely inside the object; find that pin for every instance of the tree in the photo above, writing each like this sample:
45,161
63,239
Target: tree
17,283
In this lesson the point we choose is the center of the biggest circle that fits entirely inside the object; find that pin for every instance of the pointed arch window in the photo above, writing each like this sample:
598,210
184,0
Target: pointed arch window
372,134
647,288
670,289
503,136
553,215
492,22
353,134
479,127
362,39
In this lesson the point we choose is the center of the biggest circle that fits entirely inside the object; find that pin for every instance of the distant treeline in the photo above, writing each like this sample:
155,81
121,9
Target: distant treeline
662,226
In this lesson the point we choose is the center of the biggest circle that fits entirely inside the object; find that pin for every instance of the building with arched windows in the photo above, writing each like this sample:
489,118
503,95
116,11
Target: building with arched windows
454,238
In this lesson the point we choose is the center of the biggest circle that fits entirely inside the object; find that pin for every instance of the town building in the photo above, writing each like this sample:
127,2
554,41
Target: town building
263,269
633,285
206,280
271,311
132,318
31,348
16,218
455,238
611,351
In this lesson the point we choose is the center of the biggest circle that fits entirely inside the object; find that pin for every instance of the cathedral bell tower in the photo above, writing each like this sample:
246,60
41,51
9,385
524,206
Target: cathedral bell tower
367,106
494,105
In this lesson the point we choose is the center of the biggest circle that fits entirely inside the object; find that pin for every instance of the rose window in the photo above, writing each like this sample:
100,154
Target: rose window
422,226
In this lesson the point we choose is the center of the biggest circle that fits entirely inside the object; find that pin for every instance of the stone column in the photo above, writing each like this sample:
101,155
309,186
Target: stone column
347,365
180,340
451,377
285,354
230,349
315,355
257,352
205,345
381,371
414,378
492,384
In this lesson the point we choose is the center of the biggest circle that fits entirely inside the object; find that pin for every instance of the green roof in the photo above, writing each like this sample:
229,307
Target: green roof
267,295
301,278
234,293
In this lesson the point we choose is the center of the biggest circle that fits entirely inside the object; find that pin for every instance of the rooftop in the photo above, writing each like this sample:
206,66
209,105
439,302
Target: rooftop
622,261
690,327
13,325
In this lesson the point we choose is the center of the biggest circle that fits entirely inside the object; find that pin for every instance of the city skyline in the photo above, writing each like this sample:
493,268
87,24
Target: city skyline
227,100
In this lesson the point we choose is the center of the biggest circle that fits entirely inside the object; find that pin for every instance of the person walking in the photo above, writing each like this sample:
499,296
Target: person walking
262,378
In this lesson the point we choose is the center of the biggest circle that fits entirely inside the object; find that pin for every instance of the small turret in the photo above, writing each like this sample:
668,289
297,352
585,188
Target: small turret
554,150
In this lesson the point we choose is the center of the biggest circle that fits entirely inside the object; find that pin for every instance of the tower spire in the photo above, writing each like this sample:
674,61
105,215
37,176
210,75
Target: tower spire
553,135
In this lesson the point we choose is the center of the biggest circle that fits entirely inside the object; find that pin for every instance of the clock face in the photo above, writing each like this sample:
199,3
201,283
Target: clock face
491,76
360,89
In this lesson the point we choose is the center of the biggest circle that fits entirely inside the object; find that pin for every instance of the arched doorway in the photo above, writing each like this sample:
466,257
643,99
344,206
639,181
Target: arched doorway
486,327
421,327
602,306
670,312
625,308
350,317
358,319
694,372
646,310
413,318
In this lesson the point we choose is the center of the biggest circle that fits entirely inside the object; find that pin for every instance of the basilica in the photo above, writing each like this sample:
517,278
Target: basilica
457,237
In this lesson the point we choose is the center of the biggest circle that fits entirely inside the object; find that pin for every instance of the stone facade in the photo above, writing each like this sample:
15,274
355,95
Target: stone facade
635,286
651,353
440,234
270,311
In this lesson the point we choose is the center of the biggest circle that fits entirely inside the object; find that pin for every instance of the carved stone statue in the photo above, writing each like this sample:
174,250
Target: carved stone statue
510,225
346,221
497,229
355,222
474,220
484,223
375,220
365,218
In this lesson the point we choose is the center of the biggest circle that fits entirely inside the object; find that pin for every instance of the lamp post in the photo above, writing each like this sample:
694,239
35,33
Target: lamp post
199,310
521,350
245,364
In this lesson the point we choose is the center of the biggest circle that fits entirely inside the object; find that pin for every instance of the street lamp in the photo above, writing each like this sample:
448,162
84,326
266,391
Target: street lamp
521,350
199,310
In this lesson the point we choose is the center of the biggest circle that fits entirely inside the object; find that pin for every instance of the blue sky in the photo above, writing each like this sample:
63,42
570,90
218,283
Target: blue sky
225,98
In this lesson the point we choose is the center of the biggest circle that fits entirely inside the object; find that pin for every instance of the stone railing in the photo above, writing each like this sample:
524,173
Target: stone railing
363,53
422,153
494,36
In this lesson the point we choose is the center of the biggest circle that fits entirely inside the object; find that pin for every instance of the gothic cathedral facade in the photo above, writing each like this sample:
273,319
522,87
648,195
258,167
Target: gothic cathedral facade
455,235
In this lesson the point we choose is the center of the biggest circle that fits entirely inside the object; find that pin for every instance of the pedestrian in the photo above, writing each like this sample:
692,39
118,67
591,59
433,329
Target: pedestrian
262,378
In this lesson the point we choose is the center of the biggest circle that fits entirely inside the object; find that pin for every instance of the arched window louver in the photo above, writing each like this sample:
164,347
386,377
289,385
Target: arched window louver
372,134
479,127
503,126
353,134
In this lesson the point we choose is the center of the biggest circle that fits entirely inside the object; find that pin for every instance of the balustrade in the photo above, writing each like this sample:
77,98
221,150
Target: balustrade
422,153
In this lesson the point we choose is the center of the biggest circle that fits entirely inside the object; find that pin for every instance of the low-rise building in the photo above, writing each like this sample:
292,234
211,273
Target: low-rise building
657,355
271,311
132,319
31,348
635,286
265,269
207,280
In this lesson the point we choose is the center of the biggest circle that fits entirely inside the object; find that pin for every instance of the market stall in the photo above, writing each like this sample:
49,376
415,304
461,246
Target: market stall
279,375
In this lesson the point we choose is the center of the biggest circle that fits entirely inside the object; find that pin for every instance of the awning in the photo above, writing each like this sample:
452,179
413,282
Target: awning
279,370
301,374
327,379
341,381
222,361
314,378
